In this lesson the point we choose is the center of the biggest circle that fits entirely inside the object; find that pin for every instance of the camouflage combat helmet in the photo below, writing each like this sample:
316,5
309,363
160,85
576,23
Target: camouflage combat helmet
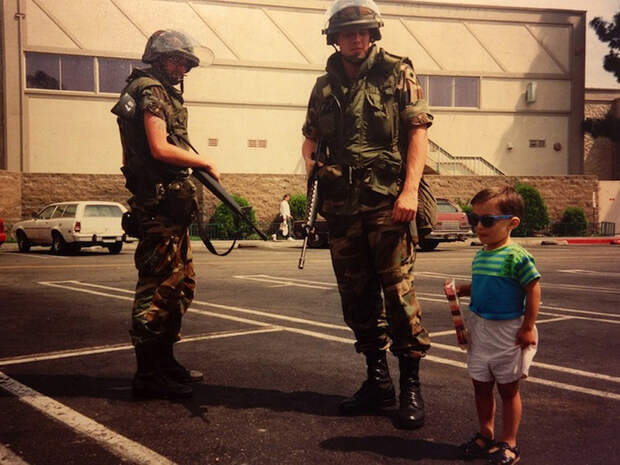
169,42
344,14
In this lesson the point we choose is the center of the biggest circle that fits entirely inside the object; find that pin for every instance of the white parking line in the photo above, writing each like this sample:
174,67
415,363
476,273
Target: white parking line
9,458
117,444
564,386
119,347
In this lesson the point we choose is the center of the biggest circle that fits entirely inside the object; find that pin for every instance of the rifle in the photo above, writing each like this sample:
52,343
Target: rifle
312,201
126,108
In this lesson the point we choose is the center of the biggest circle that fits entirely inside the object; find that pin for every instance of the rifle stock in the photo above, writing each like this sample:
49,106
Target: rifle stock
216,189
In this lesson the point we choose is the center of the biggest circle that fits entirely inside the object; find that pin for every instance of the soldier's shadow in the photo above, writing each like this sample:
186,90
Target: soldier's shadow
118,389
394,447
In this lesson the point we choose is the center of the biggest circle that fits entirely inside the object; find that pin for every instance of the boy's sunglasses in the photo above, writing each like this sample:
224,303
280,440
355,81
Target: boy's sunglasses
486,220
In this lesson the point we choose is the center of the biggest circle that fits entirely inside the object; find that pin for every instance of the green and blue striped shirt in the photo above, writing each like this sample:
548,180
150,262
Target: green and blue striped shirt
499,278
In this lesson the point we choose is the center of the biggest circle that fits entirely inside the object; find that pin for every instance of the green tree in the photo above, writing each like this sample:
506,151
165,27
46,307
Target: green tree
228,225
607,32
535,216
298,206
573,223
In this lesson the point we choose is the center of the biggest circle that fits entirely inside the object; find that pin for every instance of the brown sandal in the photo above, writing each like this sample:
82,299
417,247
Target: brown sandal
499,457
472,450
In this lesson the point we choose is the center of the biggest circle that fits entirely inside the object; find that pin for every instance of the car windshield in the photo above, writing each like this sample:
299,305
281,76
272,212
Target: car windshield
446,207
103,210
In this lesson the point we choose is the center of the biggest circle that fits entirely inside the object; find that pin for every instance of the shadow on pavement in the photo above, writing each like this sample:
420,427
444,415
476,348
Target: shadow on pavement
118,389
393,446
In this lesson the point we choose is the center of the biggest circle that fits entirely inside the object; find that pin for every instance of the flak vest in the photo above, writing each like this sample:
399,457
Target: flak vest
364,133
145,175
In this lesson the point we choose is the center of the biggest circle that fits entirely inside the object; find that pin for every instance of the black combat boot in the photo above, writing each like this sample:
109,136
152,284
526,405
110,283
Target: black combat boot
376,392
175,370
151,381
411,409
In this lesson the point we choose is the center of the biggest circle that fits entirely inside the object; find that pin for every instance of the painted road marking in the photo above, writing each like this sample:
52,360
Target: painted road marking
606,274
117,444
119,347
9,458
315,334
332,285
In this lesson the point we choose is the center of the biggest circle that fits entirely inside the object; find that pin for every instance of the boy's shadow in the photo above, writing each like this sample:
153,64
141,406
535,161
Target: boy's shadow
394,447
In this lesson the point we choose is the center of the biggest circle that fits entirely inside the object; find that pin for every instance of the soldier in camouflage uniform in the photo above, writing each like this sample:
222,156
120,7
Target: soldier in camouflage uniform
155,164
369,110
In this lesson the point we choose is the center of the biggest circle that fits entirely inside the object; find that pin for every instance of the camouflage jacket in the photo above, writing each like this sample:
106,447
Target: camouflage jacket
367,131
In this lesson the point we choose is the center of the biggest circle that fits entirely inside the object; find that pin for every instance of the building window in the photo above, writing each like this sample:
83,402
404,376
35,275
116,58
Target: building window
440,91
257,143
113,73
42,71
64,72
466,90
452,91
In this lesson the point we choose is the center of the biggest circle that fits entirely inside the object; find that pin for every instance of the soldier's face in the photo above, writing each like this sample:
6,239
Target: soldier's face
354,43
175,68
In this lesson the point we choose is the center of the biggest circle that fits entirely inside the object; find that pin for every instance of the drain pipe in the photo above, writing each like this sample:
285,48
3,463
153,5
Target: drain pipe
19,16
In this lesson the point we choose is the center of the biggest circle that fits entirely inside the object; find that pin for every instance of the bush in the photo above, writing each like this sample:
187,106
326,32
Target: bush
535,217
228,224
573,223
298,206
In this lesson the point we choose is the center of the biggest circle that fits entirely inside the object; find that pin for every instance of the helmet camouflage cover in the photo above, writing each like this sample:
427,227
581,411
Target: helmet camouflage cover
169,42
343,14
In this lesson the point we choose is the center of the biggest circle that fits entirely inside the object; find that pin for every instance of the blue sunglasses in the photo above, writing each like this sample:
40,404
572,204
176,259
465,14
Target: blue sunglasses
486,220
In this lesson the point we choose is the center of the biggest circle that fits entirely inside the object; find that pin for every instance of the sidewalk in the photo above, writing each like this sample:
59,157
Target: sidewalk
524,241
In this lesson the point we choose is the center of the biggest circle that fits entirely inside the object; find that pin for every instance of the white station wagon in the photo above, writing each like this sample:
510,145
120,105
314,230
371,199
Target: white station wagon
69,226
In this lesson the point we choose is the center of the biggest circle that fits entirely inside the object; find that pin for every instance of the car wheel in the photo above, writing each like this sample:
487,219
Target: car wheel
115,248
59,246
23,244
428,244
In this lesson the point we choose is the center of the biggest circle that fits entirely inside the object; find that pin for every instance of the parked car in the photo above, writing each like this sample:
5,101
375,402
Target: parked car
452,225
2,233
69,226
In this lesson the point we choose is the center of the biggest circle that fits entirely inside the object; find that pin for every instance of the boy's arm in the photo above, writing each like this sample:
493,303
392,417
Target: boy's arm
525,336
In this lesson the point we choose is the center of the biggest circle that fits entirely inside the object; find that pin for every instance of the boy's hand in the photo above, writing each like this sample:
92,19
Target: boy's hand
525,337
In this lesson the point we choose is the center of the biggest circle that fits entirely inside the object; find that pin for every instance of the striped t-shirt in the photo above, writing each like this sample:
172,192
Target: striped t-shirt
498,282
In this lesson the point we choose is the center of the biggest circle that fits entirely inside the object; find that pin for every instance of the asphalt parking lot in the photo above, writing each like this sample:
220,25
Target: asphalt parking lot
277,360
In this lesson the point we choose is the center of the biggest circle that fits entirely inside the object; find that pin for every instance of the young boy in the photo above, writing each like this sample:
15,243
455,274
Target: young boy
505,295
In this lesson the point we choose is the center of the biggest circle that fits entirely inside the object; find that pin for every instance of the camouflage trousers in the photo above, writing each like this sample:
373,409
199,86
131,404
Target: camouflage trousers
372,255
166,282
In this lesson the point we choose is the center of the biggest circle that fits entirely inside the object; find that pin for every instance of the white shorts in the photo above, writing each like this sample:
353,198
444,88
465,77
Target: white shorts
494,354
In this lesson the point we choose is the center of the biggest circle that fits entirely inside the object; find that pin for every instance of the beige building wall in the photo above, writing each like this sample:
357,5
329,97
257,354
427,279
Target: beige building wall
257,89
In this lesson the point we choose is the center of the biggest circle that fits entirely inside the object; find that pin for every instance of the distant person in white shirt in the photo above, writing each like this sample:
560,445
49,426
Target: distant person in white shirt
286,228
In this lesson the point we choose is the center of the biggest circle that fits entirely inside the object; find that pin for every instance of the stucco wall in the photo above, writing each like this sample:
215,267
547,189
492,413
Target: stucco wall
28,192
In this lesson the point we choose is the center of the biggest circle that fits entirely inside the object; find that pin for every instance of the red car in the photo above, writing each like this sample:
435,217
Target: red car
2,233
452,225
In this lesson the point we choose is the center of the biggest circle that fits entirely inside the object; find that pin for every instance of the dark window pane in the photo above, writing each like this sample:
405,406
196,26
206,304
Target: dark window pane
70,211
112,74
42,71
440,91
466,91
77,73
